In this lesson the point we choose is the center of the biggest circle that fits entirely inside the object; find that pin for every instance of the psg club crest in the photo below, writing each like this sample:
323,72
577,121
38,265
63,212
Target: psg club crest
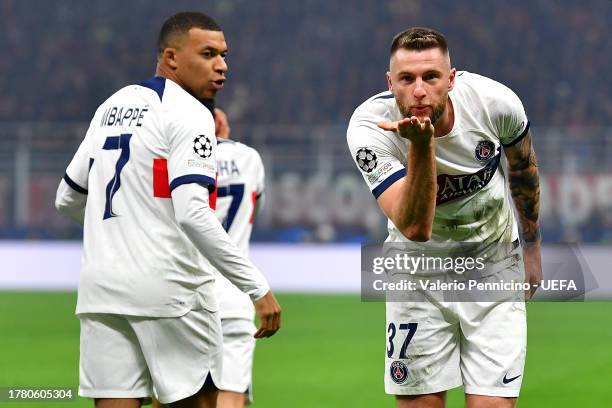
366,159
202,146
485,150
398,372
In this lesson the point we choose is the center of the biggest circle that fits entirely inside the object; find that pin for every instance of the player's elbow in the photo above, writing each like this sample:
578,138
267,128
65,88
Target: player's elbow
417,233
62,205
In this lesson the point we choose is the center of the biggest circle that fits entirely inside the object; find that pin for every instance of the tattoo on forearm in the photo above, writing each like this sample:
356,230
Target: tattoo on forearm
525,187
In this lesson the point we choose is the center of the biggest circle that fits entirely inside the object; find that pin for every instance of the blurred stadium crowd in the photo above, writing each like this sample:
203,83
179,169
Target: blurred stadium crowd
296,74
311,62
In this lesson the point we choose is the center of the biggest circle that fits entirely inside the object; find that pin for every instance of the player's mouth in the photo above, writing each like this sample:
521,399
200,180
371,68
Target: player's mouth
218,84
420,110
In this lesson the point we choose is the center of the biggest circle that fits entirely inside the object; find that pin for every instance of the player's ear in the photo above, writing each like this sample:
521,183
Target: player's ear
168,58
389,81
451,82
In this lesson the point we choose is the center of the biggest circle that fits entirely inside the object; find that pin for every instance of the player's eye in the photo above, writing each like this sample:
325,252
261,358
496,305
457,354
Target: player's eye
429,77
224,55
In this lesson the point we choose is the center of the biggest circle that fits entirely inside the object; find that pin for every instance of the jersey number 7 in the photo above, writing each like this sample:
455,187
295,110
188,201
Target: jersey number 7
121,142
236,191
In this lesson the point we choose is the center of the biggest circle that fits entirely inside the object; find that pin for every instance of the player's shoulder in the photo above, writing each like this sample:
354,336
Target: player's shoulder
473,85
237,148
377,108
174,102
152,91
363,125
121,97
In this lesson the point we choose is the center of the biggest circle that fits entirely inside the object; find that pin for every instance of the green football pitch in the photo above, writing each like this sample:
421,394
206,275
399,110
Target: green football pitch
329,353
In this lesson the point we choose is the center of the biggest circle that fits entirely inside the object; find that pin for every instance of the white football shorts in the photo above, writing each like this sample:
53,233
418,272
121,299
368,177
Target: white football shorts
238,351
433,347
138,357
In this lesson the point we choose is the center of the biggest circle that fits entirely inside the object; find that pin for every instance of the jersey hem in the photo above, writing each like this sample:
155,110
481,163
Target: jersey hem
234,387
185,392
492,391
96,393
407,390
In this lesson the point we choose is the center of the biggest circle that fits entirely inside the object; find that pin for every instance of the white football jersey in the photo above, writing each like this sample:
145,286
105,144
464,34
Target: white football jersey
143,142
472,203
240,181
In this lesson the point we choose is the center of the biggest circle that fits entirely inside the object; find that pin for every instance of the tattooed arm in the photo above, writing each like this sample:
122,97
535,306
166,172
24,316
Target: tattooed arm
525,189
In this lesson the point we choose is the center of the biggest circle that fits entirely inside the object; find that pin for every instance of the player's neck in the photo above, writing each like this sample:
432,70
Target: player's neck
165,72
447,120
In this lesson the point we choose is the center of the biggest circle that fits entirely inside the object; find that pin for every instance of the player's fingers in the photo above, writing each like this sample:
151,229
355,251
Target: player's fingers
275,323
390,126
278,319
266,326
533,290
404,122
262,331
426,124
533,287
259,333
414,123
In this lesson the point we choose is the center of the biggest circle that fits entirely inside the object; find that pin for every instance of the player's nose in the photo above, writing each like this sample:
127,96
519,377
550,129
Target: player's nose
221,65
419,89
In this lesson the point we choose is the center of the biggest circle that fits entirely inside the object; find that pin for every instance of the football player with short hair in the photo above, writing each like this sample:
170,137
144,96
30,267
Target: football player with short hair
430,151
240,195
140,181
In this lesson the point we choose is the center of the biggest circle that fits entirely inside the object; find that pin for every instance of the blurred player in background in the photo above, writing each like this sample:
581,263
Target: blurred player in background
429,150
239,198
240,194
140,182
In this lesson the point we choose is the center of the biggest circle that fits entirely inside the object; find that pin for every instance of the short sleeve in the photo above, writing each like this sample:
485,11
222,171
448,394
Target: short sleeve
378,160
77,173
509,117
192,146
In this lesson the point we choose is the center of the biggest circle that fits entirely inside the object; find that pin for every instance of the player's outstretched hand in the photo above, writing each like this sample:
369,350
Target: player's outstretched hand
418,132
269,313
